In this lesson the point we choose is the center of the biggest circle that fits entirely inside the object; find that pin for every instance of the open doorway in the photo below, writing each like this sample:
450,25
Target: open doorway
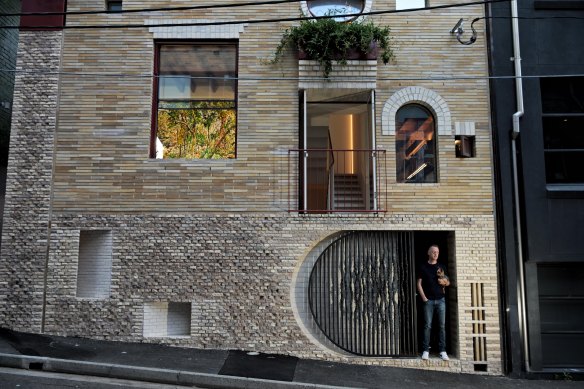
338,139
445,241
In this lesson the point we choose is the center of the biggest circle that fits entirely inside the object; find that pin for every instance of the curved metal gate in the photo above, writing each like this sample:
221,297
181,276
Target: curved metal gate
362,293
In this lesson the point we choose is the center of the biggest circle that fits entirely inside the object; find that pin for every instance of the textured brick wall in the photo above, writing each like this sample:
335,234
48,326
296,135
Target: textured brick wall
237,272
28,187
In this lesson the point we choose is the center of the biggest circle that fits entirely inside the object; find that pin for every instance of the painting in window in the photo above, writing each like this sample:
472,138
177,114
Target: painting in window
415,145
196,105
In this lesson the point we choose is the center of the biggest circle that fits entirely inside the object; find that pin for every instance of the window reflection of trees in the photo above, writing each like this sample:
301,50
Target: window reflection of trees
205,131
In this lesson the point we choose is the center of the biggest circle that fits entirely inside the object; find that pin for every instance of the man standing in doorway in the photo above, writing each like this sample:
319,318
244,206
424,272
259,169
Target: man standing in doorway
432,281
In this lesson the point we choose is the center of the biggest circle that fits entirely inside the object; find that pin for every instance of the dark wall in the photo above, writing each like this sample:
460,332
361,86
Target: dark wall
552,216
8,48
549,46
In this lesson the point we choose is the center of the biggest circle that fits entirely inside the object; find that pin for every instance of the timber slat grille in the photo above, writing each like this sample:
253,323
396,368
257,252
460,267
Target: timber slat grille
479,326
361,293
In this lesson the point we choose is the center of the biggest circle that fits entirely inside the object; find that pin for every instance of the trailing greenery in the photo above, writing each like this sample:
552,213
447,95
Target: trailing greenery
326,40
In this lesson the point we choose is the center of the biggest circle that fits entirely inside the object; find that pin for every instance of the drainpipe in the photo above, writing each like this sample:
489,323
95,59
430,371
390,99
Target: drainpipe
515,134
305,153
374,155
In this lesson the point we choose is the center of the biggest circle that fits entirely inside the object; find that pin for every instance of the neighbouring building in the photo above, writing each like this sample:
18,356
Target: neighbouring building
540,181
167,184
8,46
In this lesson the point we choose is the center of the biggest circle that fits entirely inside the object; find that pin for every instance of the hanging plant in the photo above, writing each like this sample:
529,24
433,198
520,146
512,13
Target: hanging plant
326,40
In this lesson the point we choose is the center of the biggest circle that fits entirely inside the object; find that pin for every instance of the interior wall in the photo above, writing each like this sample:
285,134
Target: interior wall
361,127
342,139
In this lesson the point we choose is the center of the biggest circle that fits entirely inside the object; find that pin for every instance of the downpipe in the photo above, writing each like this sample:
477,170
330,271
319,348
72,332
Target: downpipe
515,134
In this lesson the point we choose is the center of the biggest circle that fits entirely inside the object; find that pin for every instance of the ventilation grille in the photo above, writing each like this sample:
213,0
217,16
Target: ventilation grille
479,325
361,293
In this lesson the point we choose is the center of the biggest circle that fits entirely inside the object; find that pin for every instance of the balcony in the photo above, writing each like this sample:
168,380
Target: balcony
329,180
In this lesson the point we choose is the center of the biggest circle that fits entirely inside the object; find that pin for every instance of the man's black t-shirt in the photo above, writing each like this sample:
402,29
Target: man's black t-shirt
429,276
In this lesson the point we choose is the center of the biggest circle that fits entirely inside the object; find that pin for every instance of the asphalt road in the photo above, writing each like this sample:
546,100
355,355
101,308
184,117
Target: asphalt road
29,379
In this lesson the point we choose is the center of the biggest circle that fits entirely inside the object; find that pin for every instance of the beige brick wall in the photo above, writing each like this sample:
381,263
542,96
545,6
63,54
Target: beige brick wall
104,122
215,234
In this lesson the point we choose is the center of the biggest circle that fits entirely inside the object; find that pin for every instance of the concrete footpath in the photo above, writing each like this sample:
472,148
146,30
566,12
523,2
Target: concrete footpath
153,363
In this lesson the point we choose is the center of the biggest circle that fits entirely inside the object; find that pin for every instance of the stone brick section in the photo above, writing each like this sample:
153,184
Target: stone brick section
236,271
215,234
30,163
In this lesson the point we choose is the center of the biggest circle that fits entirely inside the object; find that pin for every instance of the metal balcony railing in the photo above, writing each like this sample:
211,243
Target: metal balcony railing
330,180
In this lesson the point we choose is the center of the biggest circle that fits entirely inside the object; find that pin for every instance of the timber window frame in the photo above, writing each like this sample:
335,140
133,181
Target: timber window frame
194,112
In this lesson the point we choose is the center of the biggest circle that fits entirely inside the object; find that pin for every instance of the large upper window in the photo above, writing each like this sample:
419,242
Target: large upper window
338,7
563,129
415,145
196,101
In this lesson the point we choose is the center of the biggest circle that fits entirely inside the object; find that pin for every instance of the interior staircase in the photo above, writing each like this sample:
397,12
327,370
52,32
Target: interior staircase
348,195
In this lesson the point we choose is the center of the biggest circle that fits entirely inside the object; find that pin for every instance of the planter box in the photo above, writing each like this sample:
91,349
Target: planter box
356,74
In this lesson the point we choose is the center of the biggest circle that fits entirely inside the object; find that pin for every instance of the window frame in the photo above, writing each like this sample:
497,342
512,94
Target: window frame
110,3
550,114
155,89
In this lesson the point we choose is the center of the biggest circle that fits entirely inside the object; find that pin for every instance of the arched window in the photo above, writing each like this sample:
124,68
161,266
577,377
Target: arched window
415,145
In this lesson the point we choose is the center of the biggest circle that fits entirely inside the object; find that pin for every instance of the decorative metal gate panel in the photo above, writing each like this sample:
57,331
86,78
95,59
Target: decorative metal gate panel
362,293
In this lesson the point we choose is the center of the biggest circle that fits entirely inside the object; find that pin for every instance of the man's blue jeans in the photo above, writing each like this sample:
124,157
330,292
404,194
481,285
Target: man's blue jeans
438,307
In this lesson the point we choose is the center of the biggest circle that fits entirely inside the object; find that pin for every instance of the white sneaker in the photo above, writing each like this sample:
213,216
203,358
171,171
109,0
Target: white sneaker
444,356
425,355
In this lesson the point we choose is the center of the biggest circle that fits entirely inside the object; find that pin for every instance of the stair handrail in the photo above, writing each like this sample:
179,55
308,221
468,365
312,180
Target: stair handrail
330,175
330,163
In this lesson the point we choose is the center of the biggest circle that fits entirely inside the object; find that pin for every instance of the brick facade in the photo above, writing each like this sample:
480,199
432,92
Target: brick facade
215,233
237,272
26,226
